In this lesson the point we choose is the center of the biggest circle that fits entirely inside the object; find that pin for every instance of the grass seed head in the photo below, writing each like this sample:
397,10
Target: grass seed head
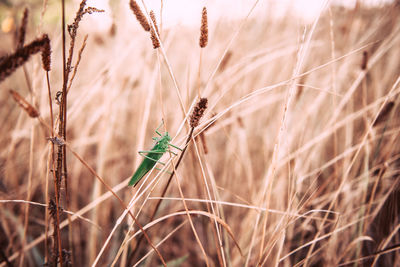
22,29
203,29
46,53
139,15
10,63
154,39
198,112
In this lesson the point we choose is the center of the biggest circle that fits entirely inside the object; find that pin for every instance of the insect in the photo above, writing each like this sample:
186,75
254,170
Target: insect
152,156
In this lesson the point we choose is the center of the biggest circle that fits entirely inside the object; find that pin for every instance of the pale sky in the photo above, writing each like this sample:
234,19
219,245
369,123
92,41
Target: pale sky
188,12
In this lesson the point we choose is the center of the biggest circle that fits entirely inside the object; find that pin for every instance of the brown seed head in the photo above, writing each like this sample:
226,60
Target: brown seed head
10,63
139,15
46,53
32,112
22,29
154,39
364,62
203,29
73,28
198,112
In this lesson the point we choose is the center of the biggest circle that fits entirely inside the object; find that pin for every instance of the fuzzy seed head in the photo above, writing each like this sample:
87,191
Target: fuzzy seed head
22,29
198,112
46,53
154,39
203,29
10,63
139,15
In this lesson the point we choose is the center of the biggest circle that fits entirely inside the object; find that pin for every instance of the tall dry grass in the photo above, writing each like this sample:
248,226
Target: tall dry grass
294,163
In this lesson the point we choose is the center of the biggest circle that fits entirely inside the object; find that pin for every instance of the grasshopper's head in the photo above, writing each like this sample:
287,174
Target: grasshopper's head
167,137
164,140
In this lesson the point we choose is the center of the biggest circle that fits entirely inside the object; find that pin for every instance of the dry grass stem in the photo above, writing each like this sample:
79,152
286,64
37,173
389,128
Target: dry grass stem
284,135
364,62
77,62
385,112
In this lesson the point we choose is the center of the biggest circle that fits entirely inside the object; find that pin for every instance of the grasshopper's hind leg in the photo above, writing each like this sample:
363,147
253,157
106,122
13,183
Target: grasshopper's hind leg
175,147
143,154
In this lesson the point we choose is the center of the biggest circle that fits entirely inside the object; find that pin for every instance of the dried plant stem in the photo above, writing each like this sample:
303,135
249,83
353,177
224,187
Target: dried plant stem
120,201
170,72
50,105
57,249
50,161
189,217
350,166
56,233
161,15
78,61
198,83
210,208
29,193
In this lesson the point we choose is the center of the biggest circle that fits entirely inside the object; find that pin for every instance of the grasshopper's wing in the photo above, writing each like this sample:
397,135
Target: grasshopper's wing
144,167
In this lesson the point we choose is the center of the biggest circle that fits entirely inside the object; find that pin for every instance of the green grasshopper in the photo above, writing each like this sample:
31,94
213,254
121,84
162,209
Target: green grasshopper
151,157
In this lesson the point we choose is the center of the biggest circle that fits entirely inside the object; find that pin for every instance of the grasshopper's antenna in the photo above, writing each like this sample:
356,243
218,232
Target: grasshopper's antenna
159,126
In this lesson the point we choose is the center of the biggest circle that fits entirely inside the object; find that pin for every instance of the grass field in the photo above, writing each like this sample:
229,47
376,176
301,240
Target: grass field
295,161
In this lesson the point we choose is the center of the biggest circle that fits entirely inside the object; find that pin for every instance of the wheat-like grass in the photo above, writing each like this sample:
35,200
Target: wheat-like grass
299,157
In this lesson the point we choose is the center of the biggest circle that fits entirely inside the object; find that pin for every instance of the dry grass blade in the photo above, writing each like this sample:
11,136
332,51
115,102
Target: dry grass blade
195,212
77,62
294,156
22,28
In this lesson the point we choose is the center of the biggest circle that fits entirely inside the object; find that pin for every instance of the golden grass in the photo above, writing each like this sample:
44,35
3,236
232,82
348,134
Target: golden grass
294,160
